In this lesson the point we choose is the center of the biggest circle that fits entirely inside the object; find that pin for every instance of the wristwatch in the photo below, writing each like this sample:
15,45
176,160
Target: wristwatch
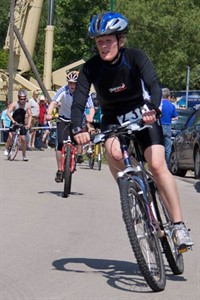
77,130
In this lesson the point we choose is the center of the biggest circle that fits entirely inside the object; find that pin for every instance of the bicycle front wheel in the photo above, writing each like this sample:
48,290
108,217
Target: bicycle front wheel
143,239
174,258
67,172
13,150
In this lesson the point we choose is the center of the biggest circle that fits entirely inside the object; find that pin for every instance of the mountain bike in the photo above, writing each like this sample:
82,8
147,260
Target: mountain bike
14,147
94,154
147,221
68,162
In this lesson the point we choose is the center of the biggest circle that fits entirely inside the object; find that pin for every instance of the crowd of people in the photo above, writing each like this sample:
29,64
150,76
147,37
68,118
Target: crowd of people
119,76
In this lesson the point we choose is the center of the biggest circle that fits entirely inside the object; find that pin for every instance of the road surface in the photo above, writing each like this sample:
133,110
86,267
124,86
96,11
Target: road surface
76,248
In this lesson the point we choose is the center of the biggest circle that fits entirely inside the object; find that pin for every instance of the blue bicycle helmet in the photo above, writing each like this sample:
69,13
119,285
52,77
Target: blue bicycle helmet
107,23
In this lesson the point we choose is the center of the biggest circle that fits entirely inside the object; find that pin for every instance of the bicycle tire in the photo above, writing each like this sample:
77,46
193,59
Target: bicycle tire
144,242
175,259
67,172
91,160
99,157
13,150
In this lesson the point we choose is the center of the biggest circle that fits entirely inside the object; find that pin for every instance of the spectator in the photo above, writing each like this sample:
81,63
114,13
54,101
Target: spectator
41,122
169,113
34,123
6,121
43,104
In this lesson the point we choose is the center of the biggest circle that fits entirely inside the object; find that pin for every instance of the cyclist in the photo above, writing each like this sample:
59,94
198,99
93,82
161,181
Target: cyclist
63,101
17,112
118,75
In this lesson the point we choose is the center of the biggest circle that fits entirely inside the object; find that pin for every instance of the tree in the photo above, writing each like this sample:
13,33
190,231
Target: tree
169,32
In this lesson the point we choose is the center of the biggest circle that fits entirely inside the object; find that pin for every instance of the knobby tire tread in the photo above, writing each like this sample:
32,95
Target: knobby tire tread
155,284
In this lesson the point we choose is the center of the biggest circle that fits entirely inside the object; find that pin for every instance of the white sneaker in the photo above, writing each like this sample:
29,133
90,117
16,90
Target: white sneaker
6,152
25,158
181,236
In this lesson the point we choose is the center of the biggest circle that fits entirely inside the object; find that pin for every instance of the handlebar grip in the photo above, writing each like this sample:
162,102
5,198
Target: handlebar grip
151,105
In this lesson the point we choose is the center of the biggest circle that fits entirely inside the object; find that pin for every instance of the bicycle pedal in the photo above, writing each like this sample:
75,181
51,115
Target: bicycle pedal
184,249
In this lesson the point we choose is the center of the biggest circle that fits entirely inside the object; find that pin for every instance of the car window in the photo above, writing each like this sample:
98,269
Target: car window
183,116
193,120
197,118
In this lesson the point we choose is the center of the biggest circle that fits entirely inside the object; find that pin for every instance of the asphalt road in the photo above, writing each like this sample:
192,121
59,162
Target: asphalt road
76,248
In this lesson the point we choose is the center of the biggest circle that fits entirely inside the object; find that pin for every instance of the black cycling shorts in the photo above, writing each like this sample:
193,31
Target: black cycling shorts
23,130
146,137
62,133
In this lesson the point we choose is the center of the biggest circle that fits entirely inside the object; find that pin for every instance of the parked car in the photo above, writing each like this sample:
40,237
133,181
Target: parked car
177,125
185,153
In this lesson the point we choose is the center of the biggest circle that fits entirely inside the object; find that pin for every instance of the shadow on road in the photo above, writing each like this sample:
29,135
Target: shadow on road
121,275
59,193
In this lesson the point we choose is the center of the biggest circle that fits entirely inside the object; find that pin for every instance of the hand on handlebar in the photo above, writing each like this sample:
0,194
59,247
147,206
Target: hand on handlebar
149,117
82,138
49,117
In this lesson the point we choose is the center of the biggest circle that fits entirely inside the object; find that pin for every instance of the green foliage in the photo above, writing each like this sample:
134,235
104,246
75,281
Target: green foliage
3,59
167,30
71,23
4,21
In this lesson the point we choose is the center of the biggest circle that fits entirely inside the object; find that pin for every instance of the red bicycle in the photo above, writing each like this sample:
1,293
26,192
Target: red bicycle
68,162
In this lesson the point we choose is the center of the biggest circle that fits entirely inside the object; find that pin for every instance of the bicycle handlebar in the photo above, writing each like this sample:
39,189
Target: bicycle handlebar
127,127
57,119
17,125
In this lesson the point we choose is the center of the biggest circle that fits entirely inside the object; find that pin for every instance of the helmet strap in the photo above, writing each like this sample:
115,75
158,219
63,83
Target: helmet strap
116,58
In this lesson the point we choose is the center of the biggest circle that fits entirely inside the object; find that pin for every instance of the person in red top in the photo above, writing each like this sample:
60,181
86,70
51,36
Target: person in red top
41,122
42,110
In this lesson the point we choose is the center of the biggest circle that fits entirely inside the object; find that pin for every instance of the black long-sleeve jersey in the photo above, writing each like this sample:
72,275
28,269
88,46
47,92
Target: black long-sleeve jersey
118,86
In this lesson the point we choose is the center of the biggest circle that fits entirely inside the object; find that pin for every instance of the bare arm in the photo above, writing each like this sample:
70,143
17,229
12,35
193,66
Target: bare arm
9,111
51,107
28,111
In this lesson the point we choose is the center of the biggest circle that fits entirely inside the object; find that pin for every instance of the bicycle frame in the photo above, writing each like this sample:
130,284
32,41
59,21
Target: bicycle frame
140,177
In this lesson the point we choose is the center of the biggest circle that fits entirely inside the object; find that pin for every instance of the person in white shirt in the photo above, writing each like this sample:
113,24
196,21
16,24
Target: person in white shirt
34,106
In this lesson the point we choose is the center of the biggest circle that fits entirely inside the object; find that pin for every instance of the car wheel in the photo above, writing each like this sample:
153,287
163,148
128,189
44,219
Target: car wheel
174,168
197,164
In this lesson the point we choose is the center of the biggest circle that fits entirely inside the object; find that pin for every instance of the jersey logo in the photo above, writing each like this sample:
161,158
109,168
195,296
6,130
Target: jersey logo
118,89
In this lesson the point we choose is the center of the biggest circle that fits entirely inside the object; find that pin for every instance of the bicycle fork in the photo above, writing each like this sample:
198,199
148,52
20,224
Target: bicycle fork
137,174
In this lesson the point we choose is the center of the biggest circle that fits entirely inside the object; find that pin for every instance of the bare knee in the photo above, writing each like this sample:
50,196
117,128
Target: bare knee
23,138
113,150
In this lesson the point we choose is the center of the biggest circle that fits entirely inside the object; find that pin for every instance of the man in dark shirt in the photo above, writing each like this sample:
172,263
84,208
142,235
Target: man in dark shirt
19,110
118,75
